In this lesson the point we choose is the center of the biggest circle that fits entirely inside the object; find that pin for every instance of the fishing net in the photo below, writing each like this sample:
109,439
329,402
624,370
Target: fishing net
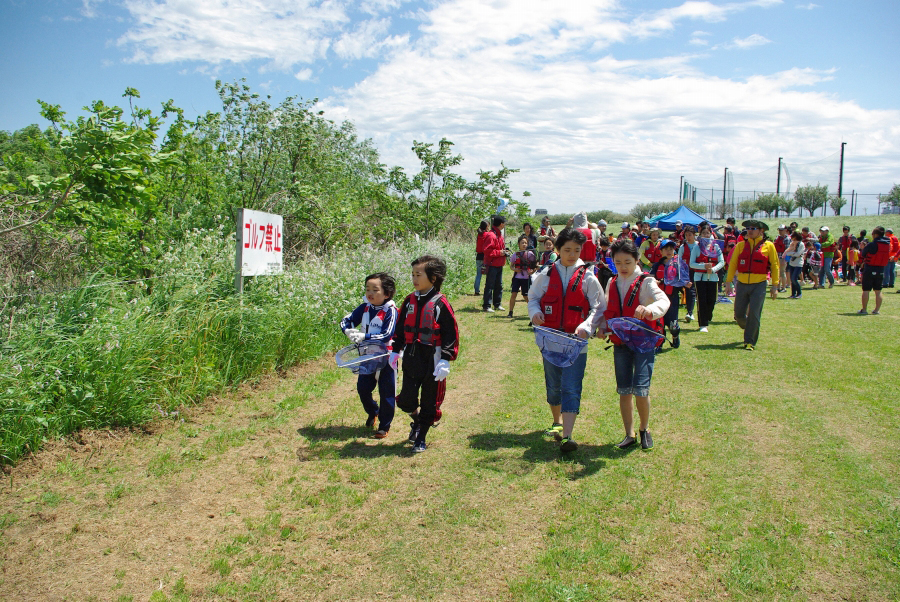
635,334
677,273
367,357
559,348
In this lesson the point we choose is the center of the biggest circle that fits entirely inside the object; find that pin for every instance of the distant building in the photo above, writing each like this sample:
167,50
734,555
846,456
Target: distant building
888,210
539,212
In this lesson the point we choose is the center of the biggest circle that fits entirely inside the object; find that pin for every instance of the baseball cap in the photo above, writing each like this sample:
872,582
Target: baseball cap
823,229
668,243
626,225
601,222
782,227
679,223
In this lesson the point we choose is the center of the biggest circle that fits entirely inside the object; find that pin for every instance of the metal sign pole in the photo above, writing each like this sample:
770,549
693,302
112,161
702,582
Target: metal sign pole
238,256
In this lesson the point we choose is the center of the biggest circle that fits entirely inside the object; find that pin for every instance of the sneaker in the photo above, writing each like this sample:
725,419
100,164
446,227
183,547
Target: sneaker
688,317
646,440
419,447
413,432
567,445
704,329
676,341
875,313
380,434
509,315
748,347
500,308
862,312
370,423
553,429
490,310
626,442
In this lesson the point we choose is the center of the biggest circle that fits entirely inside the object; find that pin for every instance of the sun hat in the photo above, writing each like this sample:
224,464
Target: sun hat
755,223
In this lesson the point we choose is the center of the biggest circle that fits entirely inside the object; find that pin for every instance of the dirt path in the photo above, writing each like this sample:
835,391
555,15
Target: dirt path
276,492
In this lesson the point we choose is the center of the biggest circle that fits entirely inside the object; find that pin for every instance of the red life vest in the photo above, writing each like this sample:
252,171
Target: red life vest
588,249
660,275
565,309
652,253
545,258
616,309
521,261
753,261
780,244
427,331
880,258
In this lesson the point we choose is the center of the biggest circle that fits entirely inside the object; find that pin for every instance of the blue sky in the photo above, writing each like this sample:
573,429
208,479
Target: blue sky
600,104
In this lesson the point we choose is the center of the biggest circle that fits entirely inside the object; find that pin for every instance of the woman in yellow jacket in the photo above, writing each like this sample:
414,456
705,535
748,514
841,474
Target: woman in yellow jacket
753,259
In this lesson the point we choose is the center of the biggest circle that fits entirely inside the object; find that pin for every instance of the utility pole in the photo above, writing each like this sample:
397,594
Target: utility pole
778,184
724,184
681,189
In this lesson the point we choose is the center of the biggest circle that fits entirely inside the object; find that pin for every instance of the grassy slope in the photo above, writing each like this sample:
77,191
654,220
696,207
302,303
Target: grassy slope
775,475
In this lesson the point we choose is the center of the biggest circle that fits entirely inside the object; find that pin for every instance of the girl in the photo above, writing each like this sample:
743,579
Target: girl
633,293
566,296
658,271
690,292
852,262
479,255
532,237
523,263
793,256
706,261
649,250
548,256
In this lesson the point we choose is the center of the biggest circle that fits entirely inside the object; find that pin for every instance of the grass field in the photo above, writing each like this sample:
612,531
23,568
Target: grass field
775,476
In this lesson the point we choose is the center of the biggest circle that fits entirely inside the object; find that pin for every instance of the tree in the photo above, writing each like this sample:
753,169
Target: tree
836,202
810,198
893,197
787,205
769,203
748,208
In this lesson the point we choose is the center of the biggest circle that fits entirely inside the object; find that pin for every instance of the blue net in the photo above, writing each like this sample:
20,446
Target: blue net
677,273
367,357
559,348
635,334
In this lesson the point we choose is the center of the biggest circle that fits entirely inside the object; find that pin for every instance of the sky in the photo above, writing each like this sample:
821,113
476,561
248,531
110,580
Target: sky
600,104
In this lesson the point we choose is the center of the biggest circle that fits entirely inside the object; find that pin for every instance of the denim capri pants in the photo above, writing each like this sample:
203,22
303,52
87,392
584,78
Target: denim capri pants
633,371
564,384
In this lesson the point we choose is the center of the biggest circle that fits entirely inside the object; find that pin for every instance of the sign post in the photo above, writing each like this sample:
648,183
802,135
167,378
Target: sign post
259,239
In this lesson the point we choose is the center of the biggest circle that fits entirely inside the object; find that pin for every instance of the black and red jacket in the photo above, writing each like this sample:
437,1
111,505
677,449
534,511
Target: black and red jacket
427,321
877,253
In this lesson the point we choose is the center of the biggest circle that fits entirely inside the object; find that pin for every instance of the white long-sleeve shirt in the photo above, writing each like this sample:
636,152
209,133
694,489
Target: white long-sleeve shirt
650,296
590,286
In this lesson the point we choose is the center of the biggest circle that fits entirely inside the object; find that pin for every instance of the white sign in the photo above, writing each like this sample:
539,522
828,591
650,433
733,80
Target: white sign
259,239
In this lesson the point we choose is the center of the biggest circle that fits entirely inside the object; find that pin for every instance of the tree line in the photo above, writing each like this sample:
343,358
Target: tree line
111,190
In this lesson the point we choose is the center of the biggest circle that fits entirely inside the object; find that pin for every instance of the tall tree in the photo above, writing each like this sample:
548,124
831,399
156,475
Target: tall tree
810,198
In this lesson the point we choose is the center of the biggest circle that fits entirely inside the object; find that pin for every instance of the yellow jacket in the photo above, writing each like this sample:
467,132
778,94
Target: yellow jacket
768,249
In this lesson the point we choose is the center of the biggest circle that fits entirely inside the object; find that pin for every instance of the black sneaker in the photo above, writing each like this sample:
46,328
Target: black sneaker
567,445
646,440
413,432
676,341
627,442
370,423
419,447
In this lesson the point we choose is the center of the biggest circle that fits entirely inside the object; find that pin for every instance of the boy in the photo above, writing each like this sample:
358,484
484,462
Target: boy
428,339
658,271
523,263
375,320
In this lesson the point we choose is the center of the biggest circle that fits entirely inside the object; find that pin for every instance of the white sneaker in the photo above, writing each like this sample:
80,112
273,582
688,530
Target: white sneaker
490,310
704,329
688,317
500,308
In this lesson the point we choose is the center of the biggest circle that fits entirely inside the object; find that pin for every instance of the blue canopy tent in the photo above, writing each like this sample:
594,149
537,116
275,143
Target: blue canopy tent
667,222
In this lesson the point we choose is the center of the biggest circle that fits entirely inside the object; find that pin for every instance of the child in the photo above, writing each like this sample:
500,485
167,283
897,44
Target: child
632,293
794,254
852,262
428,340
375,320
706,261
658,271
523,263
690,293
649,250
547,256
566,296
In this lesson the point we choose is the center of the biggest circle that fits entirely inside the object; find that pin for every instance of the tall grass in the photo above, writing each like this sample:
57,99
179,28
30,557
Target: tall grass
106,355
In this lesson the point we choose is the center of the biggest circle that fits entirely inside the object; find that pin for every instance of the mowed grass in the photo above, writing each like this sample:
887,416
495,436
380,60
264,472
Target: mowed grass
774,476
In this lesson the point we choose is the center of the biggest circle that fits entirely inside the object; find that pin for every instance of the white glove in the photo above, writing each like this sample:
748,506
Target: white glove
357,336
349,332
441,370
394,360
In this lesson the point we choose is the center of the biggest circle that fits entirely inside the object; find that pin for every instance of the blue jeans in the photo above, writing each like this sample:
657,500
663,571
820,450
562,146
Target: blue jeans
478,263
796,289
633,371
564,384
889,273
826,271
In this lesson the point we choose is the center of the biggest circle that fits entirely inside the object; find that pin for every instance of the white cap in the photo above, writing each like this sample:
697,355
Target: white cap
782,227
823,229
679,223
601,222
626,225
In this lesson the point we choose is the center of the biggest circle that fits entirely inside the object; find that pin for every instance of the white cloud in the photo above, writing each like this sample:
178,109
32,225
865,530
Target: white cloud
89,8
750,41
809,6
538,86
698,42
